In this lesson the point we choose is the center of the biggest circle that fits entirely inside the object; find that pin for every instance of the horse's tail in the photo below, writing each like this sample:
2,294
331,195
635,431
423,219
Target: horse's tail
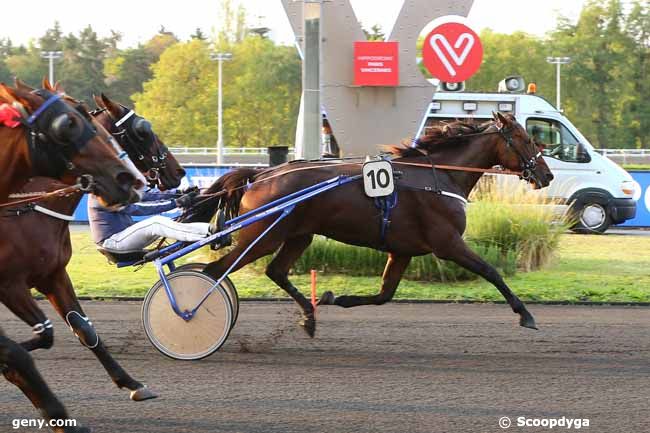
225,193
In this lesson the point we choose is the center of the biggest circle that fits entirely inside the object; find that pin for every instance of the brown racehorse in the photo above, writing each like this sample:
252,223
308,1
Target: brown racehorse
423,222
68,145
44,239
64,145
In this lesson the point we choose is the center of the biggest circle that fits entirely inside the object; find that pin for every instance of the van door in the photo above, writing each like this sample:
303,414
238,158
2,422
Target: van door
567,158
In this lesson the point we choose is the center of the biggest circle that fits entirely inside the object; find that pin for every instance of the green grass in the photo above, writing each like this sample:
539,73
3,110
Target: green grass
644,167
586,268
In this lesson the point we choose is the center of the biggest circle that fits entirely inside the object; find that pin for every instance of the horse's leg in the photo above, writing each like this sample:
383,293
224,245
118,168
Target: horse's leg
278,271
60,293
395,267
19,300
20,370
461,254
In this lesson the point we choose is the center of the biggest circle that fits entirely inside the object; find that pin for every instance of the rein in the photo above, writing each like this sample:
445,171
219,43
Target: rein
414,164
83,185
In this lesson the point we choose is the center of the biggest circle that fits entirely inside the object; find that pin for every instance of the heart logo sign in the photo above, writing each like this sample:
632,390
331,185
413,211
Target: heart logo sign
452,52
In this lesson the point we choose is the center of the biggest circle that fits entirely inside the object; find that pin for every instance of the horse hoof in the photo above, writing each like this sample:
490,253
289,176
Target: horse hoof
327,298
526,320
142,394
309,325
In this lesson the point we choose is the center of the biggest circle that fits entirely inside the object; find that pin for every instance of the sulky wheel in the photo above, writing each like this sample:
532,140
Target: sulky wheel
226,283
197,338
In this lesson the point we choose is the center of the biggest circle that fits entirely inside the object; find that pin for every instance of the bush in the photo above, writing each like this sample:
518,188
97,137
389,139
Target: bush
514,219
509,229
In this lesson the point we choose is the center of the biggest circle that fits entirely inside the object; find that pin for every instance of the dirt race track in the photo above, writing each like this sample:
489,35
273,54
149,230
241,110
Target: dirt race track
396,368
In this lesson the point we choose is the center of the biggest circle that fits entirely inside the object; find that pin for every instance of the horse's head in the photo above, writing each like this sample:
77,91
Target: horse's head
518,152
136,135
65,143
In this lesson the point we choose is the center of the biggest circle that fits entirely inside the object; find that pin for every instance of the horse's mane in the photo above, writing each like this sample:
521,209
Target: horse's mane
437,137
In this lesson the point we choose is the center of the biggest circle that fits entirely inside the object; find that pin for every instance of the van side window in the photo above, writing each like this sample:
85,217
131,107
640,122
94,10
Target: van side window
556,140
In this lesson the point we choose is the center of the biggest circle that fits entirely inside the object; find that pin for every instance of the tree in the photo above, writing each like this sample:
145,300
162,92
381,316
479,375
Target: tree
261,94
638,29
5,51
26,63
595,81
375,33
198,34
127,72
82,71
516,54
52,40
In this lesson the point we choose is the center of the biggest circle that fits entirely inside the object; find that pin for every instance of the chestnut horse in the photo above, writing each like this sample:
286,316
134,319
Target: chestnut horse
42,135
423,221
45,239
54,139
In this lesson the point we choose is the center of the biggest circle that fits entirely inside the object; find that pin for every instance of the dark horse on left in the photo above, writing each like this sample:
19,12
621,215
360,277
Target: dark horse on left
41,134
40,234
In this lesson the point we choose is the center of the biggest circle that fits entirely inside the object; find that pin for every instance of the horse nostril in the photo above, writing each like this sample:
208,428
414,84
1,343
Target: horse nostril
180,172
125,180
550,177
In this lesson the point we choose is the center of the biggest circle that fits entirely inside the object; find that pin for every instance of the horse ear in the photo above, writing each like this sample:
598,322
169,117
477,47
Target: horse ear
27,99
58,87
21,85
47,85
503,119
98,101
112,107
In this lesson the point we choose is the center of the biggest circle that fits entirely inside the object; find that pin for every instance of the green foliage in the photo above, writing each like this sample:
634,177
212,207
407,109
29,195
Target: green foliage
375,33
127,72
333,257
516,54
261,86
605,90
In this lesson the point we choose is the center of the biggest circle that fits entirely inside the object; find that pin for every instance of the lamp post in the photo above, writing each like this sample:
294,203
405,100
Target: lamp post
557,61
220,57
51,56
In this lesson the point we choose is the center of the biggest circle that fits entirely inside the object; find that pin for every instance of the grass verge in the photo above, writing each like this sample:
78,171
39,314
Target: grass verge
586,268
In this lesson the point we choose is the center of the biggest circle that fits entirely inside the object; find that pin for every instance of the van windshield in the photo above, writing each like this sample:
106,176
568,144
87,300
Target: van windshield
556,140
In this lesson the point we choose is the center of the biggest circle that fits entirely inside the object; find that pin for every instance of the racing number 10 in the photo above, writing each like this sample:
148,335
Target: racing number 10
382,178
378,178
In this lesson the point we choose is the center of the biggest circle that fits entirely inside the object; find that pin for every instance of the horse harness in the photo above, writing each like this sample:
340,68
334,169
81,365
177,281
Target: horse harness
135,134
52,142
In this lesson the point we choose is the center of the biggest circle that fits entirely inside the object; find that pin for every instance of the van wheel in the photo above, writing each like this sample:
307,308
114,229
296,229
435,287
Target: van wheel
592,218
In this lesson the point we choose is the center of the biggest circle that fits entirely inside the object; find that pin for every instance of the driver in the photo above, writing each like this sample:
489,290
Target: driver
115,229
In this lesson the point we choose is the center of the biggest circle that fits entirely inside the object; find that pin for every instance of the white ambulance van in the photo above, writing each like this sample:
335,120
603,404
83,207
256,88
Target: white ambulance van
599,191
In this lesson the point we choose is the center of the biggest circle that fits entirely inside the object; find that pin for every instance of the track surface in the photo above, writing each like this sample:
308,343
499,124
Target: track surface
403,368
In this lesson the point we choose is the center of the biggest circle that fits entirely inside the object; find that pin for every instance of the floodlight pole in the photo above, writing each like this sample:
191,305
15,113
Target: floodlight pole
220,57
51,56
557,61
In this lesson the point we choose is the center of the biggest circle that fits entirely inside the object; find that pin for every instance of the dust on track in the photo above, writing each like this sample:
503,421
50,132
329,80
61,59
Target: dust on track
394,368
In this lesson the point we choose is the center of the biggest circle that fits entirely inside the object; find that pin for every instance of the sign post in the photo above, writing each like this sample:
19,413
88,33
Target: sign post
452,52
376,64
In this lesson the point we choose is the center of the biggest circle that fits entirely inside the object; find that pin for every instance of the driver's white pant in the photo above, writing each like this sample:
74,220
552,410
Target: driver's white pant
144,232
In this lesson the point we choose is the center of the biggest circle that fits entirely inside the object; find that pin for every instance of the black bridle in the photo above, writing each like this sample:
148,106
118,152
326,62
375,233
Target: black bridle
56,133
527,164
135,135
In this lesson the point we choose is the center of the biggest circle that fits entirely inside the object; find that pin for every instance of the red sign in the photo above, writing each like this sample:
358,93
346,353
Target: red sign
452,52
376,64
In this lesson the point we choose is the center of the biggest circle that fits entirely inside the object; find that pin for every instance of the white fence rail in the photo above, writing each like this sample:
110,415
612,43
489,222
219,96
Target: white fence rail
227,151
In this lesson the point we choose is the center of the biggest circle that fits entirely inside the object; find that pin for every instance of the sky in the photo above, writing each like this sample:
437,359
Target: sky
139,20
